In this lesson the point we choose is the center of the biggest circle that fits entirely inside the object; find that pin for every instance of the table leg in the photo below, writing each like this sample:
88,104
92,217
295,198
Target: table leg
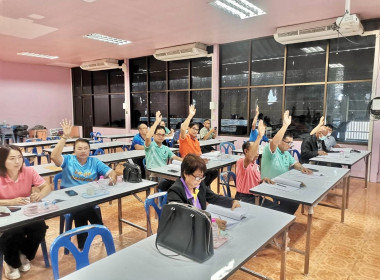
348,190
218,181
308,234
344,198
119,210
148,227
283,254
366,160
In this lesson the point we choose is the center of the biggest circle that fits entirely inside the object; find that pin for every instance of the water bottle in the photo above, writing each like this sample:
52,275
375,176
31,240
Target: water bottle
215,229
102,182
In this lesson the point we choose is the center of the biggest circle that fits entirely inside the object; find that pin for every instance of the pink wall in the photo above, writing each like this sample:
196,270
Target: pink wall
34,94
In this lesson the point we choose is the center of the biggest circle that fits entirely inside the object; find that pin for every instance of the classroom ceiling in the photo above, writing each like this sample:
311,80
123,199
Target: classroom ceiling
56,27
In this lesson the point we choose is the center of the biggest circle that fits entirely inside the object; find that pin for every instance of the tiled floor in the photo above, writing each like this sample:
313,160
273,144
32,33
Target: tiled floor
349,251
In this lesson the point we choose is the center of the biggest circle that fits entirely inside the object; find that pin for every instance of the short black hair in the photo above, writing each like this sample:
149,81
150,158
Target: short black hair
193,123
140,124
329,126
245,146
288,133
191,163
81,140
206,120
158,128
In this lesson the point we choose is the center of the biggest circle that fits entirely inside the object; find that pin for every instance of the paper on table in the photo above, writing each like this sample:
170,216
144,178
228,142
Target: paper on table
236,214
211,155
176,162
287,182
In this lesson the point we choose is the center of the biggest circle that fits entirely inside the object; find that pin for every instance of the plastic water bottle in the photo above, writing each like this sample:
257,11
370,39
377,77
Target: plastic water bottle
215,229
102,182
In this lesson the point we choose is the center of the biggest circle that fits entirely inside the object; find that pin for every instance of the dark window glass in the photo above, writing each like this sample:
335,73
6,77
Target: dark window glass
86,82
267,65
305,105
201,99
101,110
117,112
157,103
157,74
138,70
100,81
269,101
77,110
233,111
179,74
139,108
178,107
116,81
88,116
201,72
76,76
347,110
351,60
234,59
306,62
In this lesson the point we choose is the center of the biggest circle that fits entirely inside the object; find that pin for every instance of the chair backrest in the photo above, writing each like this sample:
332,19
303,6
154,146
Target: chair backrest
81,257
92,135
26,161
100,140
99,151
48,138
144,162
226,146
55,180
151,201
225,178
295,152
126,147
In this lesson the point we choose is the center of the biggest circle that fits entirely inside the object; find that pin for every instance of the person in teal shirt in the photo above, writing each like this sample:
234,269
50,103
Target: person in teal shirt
276,160
157,154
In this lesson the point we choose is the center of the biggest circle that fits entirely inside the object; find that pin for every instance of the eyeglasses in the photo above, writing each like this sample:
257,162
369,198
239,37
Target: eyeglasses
289,143
199,178
195,129
160,135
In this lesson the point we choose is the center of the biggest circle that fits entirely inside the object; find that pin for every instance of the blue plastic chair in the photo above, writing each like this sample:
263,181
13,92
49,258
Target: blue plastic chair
170,142
150,201
43,154
126,147
295,152
26,162
81,257
48,138
99,140
26,148
226,147
99,151
225,178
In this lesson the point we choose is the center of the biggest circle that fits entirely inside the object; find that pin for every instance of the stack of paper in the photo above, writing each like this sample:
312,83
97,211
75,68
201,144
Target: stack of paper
286,182
230,216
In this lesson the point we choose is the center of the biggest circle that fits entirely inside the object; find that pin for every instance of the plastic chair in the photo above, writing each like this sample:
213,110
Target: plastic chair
81,257
43,154
26,148
99,140
48,138
27,162
170,142
99,151
225,147
126,147
225,178
150,201
66,220
294,152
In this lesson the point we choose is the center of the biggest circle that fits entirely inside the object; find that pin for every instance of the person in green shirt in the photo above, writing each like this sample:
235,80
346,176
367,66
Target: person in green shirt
276,159
156,153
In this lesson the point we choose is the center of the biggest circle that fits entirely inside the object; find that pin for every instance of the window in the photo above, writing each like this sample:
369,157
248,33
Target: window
157,74
234,63
101,110
306,62
347,110
179,74
201,99
117,81
139,108
178,104
138,69
233,111
117,112
157,102
267,63
201,72
100,83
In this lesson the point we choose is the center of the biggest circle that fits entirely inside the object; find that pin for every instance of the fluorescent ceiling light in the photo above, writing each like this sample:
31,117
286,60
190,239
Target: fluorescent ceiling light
239,8
38,55
336,65
313,49
107,39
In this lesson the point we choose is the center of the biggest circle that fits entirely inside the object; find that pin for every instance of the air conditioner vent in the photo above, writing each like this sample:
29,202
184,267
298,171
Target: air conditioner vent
181,52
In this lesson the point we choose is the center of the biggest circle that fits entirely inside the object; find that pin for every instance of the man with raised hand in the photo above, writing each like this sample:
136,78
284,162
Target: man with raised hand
276,159
156,153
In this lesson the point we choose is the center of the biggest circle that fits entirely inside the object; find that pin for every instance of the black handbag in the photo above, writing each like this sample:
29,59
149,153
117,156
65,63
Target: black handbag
185,230
131,173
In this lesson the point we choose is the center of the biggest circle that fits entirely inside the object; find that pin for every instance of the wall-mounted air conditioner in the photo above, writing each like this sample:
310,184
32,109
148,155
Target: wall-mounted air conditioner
348,25
101,64
181,52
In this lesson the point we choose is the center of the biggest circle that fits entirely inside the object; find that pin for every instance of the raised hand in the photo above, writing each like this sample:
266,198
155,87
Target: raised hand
66,126
322,120
287,119
261,128
257,110
192,110
158,116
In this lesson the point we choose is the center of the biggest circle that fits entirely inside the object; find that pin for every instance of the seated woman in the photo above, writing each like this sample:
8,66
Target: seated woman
191,189
19,245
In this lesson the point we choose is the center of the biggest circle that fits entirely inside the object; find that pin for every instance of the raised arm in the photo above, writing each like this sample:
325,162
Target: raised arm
151,130
320,124
186,123
255,118
56,154
253,148
287,120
